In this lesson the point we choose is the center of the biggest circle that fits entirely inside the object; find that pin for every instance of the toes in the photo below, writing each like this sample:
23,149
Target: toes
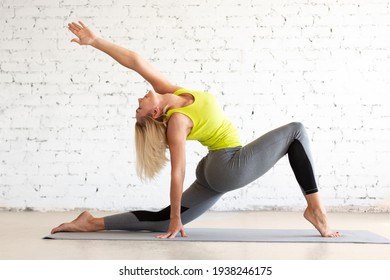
56,229
334,234
61,227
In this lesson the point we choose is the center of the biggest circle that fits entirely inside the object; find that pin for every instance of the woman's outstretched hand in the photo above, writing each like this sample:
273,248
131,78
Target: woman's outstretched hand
84,35
175,226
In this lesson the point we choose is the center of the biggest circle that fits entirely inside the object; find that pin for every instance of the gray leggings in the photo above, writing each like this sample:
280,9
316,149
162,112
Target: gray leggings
228,169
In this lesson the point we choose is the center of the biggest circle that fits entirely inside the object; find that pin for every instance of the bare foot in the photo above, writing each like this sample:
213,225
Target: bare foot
84,222
320,221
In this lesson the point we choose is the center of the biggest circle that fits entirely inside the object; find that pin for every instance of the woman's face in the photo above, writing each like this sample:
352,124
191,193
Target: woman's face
146,105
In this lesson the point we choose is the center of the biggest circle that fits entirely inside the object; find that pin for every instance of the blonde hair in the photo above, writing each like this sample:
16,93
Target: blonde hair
151,145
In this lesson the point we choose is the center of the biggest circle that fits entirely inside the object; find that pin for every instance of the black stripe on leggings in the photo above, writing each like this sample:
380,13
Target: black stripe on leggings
162,215
302,168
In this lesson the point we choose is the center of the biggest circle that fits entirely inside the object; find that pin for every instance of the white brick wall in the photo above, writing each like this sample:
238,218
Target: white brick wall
66,112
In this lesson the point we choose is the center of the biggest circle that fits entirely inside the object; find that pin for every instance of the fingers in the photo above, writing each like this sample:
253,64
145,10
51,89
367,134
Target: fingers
183,233
76,40
171,235
73,29
82,24
163,236
75,26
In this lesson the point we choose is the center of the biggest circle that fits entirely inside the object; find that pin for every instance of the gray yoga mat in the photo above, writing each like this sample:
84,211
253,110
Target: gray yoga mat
231,235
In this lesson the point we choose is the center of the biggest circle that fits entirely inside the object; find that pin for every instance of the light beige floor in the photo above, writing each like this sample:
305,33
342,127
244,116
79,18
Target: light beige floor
21,238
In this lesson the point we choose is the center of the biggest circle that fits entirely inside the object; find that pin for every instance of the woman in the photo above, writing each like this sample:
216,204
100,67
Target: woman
168,116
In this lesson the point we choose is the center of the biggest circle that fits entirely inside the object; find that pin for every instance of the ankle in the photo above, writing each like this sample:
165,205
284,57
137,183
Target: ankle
316,210
96,223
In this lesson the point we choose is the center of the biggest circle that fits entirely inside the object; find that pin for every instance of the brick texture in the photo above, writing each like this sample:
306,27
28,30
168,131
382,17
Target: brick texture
67,112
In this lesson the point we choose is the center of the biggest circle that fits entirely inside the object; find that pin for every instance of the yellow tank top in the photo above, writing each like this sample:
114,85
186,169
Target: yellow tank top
211,127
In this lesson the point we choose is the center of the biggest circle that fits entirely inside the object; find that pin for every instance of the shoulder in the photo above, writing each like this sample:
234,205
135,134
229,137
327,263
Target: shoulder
179,90
179,124
179,120
165,87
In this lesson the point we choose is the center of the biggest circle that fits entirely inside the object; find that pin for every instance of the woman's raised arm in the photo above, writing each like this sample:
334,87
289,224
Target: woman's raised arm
124,56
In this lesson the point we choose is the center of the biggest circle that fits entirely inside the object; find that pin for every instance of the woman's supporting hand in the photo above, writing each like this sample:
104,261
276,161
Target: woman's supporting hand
84,35
175,226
